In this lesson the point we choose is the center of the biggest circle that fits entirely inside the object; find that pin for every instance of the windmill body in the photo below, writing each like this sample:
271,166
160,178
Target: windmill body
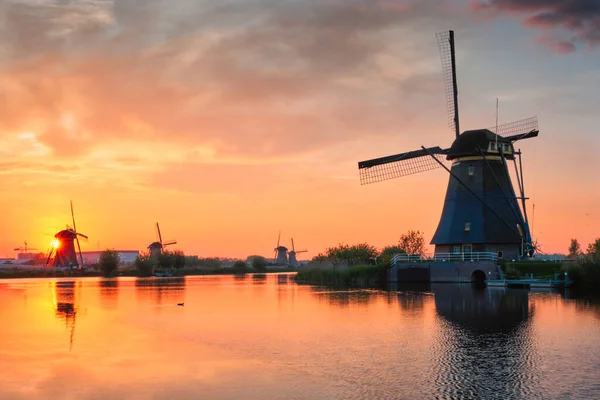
482,211
155,248
63,253
292,260
281,257
468,224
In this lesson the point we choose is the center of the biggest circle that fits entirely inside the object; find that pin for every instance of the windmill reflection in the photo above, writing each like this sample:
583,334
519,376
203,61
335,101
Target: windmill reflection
65,300
484,345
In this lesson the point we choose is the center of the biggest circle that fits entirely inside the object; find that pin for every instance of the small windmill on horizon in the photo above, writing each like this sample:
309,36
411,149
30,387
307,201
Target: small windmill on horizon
280,253
481,211
155,248
293,262
62,253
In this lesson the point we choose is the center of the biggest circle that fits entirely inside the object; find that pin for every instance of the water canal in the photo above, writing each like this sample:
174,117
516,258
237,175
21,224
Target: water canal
264,337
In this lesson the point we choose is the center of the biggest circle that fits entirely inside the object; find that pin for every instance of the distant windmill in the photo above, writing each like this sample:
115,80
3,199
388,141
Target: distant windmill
62,253
280,253
292,255
155,248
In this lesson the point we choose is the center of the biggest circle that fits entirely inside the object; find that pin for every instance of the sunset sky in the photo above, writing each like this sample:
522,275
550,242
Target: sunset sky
228,121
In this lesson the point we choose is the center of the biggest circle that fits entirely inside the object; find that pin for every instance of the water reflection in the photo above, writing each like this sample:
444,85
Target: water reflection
345,299
161,290
485,345
109,292
64,294
259,279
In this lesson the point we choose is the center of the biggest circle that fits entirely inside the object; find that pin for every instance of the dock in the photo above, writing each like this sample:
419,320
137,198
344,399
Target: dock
529,283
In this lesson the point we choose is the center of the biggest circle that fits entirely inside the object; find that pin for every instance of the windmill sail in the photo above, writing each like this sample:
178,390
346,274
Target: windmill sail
522,129
390,167
446,44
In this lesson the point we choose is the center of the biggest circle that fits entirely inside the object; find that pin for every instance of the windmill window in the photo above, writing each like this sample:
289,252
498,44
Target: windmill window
470,170
493,146
467,226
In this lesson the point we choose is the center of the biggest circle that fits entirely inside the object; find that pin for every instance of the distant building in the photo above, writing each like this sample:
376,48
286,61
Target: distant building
93,257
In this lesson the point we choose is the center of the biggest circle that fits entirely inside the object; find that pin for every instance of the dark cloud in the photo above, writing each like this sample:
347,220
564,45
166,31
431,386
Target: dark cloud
580,19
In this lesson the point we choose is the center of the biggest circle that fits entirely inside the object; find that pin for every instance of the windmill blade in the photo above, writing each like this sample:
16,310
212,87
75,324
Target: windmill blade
73,217
390,167
446,45
169,243
50,255
79,249
82,235
522,129
293,249
158,233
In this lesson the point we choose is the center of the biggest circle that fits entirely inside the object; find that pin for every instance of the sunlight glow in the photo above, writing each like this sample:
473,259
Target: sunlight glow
55,243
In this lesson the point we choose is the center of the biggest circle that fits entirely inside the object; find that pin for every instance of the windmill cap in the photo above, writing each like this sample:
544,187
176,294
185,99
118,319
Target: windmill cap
468,142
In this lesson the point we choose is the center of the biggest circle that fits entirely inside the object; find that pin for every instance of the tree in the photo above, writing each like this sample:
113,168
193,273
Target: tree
109,262
144,265
413,243
259,263
574,248
178,259
240,267
385,257
593,249
361,253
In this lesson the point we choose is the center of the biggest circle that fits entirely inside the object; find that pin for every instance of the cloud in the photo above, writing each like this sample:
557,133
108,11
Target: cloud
580,19
246,79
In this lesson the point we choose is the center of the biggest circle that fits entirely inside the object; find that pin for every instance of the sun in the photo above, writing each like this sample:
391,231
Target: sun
55,243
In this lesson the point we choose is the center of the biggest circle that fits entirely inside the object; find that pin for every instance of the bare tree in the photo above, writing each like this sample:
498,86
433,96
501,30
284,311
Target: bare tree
412,242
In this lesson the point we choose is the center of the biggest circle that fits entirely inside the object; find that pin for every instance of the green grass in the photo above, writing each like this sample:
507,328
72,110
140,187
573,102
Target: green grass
358,276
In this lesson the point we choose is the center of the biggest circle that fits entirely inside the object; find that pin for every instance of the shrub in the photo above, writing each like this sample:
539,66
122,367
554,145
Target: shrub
259,263
240,267
144,265
109,262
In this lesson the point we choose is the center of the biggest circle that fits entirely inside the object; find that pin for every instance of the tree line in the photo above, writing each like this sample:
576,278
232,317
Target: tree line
411,242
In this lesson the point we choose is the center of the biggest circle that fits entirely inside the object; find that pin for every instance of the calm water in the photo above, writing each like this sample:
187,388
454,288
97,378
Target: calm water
261,337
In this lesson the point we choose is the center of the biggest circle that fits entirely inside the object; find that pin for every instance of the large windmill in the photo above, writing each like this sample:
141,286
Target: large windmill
62,253
293,262
155,248
481,211
280,253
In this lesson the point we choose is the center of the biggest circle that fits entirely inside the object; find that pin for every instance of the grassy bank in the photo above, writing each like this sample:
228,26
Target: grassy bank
16,272
357,276
539,269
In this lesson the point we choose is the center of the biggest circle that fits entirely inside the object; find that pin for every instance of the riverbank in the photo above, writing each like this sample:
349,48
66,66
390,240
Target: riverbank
43,272
356,276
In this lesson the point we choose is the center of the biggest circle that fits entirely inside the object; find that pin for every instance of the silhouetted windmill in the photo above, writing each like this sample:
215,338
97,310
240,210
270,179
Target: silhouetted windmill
63,252
155,248
481,212
293,262
280,253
